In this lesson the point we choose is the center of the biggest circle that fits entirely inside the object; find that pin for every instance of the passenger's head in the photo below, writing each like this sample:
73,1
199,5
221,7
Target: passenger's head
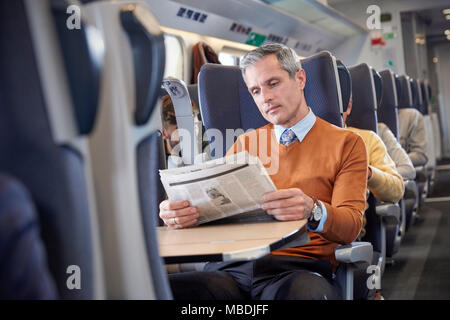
276,80
169,123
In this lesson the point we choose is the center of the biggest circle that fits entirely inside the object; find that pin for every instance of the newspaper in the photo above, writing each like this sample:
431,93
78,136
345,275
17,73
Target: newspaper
221,188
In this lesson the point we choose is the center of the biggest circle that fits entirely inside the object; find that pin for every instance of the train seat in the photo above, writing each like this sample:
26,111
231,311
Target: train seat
405,102
387,113
225,103
380,215
127,150
25,273
424,108
43,139
430,166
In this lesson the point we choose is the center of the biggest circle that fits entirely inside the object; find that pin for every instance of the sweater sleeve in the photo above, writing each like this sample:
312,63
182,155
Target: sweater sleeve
345,212
414,136
386,184
397,153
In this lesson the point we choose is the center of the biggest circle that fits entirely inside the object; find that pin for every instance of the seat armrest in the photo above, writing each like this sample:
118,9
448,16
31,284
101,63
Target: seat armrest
409,184
389,211
354,253
411,190
421,175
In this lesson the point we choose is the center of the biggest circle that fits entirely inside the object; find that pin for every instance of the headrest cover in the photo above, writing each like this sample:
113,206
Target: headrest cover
416,94
387,109
425,98
378,85
321,90
363,115
405,100
345,81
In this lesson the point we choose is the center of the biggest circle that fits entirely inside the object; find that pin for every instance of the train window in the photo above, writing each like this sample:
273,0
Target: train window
228,59
174,57
231,56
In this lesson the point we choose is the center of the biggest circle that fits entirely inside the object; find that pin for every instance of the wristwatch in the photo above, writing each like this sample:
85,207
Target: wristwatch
316,215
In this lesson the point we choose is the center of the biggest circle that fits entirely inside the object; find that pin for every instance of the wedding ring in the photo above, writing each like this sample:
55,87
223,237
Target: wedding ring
174,221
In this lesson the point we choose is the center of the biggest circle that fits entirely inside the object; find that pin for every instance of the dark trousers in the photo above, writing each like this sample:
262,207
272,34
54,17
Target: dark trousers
272,277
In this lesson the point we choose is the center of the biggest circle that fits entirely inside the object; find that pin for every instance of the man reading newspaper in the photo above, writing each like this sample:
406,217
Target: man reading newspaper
321,177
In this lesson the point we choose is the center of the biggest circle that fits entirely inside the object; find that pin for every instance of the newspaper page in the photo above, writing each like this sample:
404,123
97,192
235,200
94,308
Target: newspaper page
220,188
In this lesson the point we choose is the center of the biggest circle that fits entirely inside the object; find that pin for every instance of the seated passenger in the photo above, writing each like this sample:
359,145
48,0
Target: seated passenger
24,272
170,132
322,178
396,152
412,135
384,181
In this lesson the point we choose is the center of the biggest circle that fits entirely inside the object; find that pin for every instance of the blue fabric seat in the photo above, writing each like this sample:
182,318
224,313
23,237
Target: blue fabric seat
52,172
24,272
380,216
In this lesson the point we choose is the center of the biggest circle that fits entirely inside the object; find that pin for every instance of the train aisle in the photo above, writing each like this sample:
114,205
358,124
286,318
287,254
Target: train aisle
421,268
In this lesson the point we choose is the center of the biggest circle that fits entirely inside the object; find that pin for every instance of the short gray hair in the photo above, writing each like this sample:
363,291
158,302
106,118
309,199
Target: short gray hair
286,56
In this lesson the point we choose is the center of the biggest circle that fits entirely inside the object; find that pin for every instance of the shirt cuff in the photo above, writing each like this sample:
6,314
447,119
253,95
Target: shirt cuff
322,221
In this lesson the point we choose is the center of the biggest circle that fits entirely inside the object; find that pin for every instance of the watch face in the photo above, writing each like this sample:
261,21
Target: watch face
317,213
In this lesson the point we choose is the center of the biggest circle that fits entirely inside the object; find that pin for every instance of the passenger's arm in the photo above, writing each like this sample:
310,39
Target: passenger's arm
403,163
386,184
345,212
417,142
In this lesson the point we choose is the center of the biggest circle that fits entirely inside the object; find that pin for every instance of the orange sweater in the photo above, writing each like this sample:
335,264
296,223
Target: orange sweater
329,164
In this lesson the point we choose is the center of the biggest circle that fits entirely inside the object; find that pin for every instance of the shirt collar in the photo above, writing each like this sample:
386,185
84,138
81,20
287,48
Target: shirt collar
300,129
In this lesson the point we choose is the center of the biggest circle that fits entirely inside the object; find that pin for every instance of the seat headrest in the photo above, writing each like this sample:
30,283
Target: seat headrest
398,88
363,115
148,51
425,98
387,109
345,81
378,82
416,94
405,100
83,60
322,91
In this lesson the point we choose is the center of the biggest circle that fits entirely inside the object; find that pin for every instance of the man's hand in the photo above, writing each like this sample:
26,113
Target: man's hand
288,204
178,214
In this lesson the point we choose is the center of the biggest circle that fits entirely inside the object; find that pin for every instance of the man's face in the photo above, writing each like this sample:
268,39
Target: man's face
170,134
280,98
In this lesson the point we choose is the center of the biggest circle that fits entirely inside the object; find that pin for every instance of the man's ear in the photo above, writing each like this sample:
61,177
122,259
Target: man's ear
301,76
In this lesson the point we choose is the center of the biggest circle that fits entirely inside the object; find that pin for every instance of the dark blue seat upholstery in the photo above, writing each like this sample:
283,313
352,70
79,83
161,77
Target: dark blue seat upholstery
380,216
24,272
416,95
387,108
405,99
53,173
425,98
364,112
345,82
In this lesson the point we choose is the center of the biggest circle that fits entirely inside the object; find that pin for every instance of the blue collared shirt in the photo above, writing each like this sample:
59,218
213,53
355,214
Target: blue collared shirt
301,129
